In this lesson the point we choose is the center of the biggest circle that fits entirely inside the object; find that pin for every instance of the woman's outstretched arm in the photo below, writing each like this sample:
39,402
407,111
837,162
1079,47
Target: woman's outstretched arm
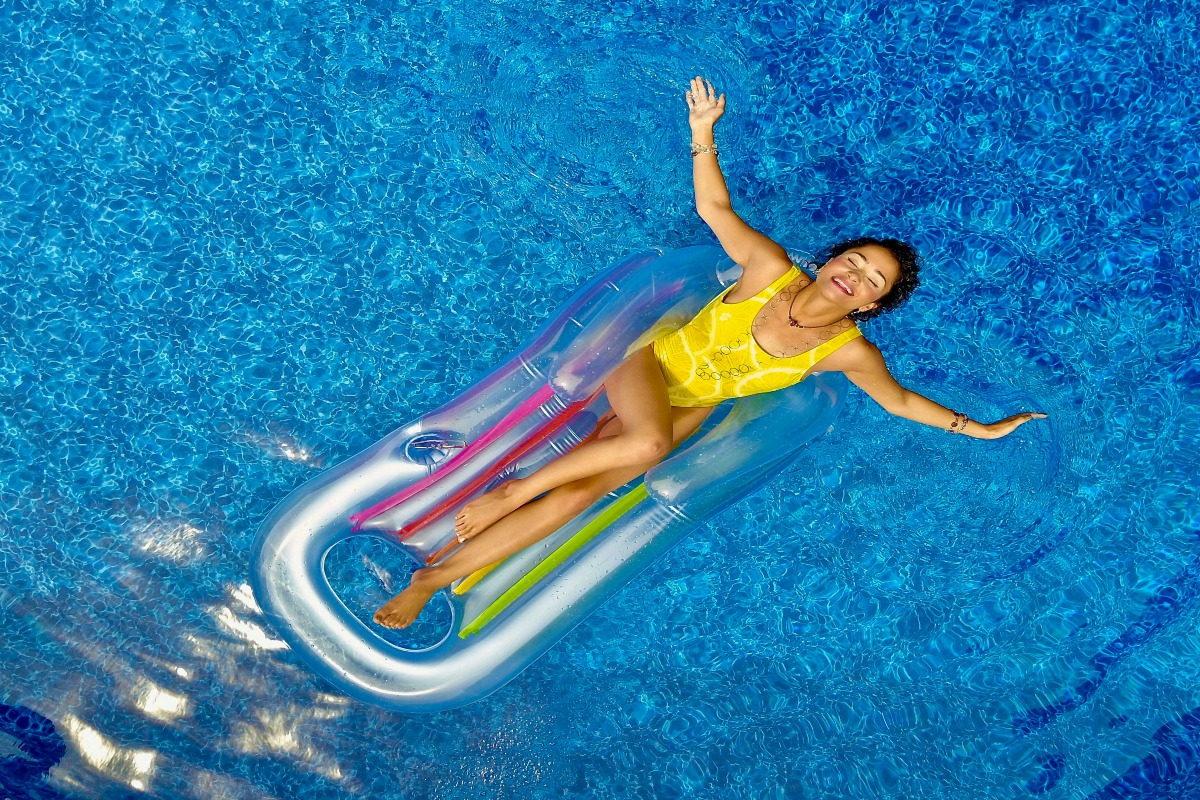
755,252
863,364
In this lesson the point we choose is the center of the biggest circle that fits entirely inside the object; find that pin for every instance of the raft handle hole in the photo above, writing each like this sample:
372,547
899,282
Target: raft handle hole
365,572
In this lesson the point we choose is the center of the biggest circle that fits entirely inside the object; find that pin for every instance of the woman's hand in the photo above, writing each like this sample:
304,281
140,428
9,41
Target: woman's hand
704,106
996,430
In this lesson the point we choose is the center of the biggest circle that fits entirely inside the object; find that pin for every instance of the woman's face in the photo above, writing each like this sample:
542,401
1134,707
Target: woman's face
859,277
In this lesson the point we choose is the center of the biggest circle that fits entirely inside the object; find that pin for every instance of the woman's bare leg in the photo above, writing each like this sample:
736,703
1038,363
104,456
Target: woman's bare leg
524,526
637,393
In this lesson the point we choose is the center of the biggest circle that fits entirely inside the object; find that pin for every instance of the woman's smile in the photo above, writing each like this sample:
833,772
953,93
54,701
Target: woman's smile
841,283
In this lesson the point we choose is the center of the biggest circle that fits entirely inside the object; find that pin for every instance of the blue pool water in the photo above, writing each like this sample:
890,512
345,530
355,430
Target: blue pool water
240,242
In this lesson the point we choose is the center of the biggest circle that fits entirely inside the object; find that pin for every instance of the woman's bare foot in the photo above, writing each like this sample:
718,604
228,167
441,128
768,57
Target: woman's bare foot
404,608
479,514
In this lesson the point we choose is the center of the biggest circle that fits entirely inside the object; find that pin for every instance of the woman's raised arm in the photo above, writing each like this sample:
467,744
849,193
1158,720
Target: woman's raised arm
755,252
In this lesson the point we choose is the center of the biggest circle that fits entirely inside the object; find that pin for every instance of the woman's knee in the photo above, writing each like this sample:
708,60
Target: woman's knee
648,447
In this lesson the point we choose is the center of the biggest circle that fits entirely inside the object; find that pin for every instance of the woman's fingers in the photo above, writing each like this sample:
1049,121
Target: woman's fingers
1001,428
704,104
702,91
1010,424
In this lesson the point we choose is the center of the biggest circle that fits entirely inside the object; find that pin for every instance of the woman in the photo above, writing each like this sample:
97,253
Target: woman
765,332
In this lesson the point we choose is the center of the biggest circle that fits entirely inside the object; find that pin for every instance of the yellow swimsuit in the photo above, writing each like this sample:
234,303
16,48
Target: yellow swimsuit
715,357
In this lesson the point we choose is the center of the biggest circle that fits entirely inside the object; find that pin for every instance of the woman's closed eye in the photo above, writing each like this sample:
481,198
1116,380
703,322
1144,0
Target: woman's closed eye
874,278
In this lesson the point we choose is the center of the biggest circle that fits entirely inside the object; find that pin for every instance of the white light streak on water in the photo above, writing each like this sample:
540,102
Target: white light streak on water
133,767
161,704
247,631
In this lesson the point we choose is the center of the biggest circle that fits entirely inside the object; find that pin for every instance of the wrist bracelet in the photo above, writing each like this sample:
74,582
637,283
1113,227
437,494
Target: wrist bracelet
697,149
960,422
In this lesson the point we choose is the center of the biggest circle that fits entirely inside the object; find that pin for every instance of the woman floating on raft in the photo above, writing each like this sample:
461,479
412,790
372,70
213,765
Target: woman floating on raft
766,332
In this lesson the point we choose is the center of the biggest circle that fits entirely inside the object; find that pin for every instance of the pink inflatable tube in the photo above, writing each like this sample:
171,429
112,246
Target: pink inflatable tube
543,401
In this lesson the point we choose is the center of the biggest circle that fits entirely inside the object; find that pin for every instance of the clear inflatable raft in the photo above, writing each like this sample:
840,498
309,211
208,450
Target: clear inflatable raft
543,401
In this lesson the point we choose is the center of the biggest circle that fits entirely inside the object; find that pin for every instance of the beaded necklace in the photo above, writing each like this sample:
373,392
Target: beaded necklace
824,336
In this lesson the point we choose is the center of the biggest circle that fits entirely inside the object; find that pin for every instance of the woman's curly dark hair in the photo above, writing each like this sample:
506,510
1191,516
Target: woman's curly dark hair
906,283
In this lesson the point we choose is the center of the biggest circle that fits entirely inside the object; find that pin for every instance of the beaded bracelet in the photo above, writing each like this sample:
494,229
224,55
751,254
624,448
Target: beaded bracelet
697,149
960,422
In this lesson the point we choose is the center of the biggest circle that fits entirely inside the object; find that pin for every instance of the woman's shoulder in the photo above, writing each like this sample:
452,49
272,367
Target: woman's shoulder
762,278
800,272
858,354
